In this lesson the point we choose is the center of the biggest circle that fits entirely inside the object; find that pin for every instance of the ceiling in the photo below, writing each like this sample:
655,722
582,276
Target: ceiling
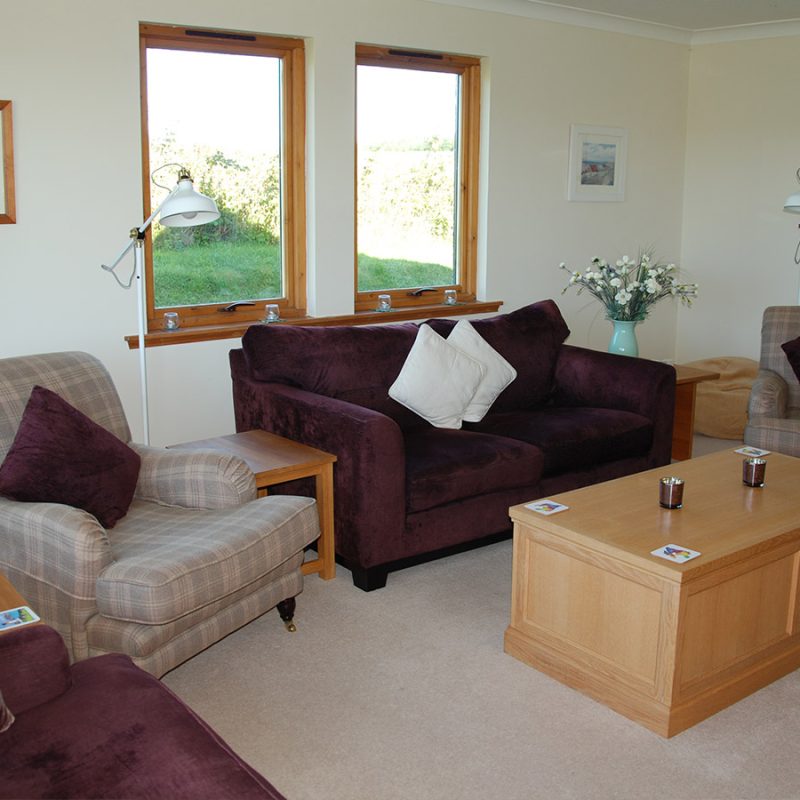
691,15
685,21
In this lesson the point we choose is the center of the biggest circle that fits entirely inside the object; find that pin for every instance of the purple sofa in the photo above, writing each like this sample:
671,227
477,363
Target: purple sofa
105,728
405,491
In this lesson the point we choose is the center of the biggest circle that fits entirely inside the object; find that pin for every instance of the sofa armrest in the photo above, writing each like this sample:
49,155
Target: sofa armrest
60,546
590,378
34,667
769,396
369,474
193,478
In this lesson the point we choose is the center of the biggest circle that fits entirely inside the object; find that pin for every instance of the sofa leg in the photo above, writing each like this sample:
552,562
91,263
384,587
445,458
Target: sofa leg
368,579
286,610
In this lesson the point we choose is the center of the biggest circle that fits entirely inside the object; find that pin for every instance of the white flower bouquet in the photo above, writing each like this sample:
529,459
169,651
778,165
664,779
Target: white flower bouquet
629,288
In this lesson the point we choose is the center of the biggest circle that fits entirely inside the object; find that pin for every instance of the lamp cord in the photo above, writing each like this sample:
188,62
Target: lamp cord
137,234
129,283
797,249
158,169
136,237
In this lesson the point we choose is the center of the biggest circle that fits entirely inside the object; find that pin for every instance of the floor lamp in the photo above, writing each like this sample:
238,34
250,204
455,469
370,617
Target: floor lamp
792,205
182,208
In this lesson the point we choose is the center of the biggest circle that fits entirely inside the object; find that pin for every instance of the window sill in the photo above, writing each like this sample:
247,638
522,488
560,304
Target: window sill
235,330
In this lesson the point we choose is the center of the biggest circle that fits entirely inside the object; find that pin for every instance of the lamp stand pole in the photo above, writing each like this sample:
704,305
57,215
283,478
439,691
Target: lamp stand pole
182,207
138,259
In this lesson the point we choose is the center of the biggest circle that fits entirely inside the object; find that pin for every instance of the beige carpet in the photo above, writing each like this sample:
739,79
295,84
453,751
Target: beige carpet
406,693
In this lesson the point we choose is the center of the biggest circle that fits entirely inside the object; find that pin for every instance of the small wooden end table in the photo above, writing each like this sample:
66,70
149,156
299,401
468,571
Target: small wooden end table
275,459
686,380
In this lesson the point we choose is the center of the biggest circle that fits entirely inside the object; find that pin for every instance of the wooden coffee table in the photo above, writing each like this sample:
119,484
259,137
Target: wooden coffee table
275,459
665,644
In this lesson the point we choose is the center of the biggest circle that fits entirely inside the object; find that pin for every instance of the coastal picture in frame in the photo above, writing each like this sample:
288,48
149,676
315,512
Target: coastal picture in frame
597,157
8,214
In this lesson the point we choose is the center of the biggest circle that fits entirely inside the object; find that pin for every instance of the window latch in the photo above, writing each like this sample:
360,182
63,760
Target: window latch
233,306
420,292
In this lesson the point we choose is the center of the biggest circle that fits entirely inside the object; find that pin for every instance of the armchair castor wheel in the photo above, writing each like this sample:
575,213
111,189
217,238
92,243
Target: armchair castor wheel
286,610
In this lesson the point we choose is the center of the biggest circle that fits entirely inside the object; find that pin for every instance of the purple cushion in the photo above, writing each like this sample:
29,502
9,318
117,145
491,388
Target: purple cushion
792,350
34,667
59,455
443,466
356,364
574,438
529,339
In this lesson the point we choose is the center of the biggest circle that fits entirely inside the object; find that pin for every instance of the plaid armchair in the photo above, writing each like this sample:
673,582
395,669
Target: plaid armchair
774,406
195,557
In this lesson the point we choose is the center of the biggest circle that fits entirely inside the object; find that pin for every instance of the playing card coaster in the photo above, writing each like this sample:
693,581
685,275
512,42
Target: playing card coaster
546,507
752,452
675,553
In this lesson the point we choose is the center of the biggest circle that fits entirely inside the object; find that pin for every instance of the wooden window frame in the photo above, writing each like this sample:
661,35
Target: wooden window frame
469,69
293,203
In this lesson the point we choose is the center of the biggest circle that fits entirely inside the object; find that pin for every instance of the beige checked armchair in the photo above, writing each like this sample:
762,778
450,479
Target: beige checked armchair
774,407
195,557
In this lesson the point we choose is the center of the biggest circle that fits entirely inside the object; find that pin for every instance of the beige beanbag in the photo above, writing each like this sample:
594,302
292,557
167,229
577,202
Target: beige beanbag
721,407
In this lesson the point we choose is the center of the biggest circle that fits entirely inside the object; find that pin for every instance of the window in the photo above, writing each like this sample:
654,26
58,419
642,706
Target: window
417,137
230,108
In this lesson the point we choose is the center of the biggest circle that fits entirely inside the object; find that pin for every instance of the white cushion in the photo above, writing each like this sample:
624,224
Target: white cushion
437,380
499,373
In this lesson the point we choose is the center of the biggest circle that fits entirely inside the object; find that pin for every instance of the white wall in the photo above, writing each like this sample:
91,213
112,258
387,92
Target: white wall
741,160
71,70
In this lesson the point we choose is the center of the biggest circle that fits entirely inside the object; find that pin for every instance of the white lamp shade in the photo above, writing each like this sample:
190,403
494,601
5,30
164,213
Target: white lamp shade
187,207
792,204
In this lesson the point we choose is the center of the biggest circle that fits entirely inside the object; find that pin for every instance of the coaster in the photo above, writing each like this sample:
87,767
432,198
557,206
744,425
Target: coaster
546,507
675,553
752,452
15,617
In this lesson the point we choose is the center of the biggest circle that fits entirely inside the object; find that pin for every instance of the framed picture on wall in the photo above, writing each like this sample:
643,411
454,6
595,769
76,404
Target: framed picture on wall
8,214
597,158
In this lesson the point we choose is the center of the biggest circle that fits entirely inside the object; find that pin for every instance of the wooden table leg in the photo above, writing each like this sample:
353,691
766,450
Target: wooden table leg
325,503
683,426
325,564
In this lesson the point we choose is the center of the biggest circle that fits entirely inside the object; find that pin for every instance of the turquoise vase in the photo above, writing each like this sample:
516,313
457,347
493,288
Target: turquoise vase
623,340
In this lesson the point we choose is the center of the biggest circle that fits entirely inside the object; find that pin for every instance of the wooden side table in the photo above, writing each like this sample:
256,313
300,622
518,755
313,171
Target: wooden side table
686,381
275,459
11,598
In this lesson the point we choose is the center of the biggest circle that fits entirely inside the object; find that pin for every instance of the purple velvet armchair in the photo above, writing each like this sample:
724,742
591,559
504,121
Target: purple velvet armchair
405,491
105,728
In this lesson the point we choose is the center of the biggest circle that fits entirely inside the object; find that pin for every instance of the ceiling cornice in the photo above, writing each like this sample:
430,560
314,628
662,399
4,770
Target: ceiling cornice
616,24
738,33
